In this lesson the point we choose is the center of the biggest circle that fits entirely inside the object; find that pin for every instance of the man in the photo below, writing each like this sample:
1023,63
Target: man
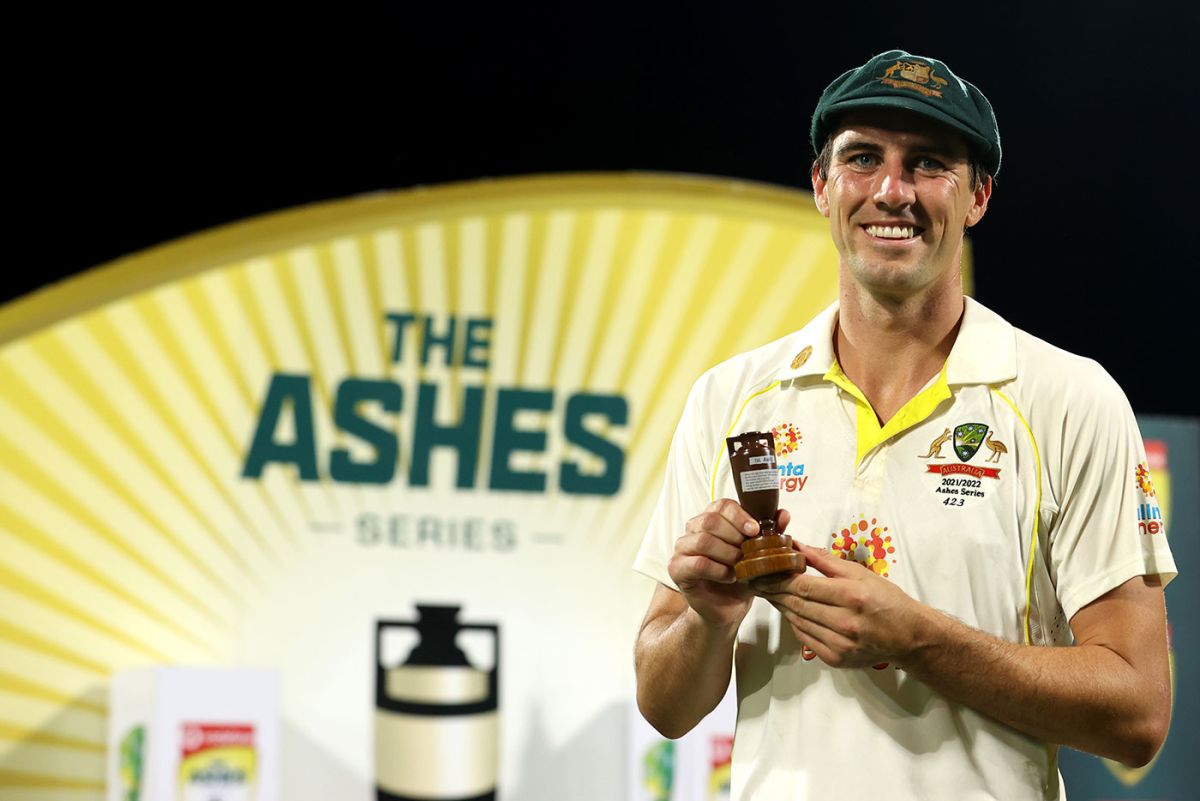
971,499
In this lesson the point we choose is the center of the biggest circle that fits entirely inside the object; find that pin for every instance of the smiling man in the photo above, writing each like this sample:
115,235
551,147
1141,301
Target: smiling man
979,591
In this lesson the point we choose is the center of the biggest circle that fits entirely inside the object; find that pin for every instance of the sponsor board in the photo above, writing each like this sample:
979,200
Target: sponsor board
1172,455
217,763
282,443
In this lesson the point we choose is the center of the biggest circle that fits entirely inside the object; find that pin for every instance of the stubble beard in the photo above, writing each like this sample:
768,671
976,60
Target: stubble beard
896,281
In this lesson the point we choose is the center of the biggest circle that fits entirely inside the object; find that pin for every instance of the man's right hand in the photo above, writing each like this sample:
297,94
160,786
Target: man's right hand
684,651
702,565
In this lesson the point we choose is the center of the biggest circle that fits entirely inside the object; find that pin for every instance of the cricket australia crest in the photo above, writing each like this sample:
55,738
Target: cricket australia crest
967,439
962,484
913,75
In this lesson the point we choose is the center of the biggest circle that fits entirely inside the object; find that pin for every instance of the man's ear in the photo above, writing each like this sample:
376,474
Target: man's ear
818,184
983,193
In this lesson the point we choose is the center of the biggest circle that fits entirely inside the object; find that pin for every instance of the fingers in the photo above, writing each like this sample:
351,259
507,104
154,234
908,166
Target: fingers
829,564
712,540
853,620
726,519
717,532
834,592
711,544
774,585
687,569
708,545
832,617
814,636
830,646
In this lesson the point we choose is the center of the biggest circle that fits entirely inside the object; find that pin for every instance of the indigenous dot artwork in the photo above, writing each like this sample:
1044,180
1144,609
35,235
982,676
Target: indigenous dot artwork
787,438
869,544
1144,482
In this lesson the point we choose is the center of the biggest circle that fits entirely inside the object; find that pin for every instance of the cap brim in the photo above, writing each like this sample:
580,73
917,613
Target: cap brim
917,107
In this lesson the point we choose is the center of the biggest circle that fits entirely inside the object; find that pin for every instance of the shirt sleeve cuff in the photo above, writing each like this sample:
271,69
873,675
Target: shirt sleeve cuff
654,569
1161,565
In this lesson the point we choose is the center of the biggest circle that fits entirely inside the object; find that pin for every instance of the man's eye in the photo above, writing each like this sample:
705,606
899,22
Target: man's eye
926,163
862,160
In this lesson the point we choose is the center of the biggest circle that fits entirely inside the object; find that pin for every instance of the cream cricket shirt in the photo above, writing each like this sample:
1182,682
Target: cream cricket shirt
1008,493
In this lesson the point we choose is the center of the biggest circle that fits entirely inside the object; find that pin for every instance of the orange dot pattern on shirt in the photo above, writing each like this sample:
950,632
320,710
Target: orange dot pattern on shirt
1144,482
869,544
787,438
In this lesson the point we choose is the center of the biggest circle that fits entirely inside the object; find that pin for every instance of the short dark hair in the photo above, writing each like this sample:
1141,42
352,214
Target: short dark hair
979,174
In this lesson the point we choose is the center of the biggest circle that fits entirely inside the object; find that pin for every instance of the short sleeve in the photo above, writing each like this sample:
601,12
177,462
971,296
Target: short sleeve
685,491
1108,527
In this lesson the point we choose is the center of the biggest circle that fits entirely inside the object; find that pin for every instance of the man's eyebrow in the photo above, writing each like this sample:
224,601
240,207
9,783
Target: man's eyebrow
856,145
934,147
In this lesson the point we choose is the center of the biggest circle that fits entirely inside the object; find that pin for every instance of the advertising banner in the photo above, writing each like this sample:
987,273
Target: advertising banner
209,734
399,448
1173,465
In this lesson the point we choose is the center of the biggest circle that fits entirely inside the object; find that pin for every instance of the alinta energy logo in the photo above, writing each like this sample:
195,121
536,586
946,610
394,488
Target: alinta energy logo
1150,519
788,439
869,544
1145,483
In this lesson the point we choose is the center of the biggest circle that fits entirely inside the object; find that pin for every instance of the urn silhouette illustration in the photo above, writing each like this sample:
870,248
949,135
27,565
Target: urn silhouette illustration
436,713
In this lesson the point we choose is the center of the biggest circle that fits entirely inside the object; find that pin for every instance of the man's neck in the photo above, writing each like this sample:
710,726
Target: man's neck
891,348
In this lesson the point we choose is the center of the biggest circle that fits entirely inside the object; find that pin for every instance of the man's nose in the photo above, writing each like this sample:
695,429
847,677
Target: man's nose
895,188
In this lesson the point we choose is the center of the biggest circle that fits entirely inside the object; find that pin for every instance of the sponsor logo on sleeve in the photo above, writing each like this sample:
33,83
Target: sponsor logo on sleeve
1149,514
1145,483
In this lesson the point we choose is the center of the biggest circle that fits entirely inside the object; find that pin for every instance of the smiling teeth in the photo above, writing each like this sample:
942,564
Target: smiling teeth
890,231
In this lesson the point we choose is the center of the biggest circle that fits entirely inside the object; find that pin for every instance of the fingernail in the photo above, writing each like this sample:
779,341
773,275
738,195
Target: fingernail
748,527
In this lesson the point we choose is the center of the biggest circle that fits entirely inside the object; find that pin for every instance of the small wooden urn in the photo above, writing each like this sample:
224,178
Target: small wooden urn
756,477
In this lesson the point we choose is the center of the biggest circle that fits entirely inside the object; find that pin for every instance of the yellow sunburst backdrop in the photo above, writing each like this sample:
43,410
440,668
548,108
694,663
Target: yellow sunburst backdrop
131,395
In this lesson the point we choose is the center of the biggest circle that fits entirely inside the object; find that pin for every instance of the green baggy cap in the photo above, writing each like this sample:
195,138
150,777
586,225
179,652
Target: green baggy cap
923,85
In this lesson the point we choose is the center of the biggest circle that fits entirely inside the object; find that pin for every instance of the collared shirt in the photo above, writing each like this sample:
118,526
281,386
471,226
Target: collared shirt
1010,492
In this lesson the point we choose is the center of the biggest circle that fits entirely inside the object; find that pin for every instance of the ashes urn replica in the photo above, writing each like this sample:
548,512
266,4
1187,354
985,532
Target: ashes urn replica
436,713
756,477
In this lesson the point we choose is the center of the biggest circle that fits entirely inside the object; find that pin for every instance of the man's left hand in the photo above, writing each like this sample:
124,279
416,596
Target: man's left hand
849,616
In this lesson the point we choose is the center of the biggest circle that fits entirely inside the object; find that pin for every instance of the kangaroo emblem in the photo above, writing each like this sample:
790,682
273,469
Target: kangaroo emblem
996,446
935,447
914,71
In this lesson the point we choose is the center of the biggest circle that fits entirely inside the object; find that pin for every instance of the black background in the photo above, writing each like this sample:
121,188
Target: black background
134,132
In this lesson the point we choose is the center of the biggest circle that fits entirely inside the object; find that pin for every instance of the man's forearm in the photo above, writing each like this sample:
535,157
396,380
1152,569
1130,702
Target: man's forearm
1086,696
683,669
1109,694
